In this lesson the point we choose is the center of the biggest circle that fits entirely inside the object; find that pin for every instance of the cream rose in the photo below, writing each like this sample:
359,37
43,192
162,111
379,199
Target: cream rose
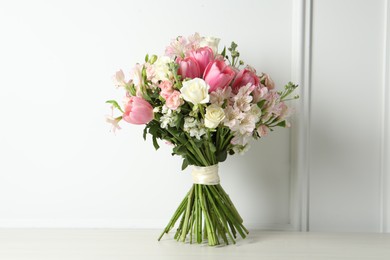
195,91
214,116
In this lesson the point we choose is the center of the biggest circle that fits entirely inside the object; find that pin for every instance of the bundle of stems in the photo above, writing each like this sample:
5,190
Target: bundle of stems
207,213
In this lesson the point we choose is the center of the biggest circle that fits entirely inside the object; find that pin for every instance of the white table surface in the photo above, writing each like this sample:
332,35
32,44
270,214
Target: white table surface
118,244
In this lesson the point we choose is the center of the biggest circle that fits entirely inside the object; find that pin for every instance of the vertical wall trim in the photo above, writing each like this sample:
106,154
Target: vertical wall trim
301,74
385,151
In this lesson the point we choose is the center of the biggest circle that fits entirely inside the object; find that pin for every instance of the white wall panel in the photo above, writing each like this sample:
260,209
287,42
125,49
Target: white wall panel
346,115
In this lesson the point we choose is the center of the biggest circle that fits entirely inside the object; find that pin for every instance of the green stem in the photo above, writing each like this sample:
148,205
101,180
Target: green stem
187,215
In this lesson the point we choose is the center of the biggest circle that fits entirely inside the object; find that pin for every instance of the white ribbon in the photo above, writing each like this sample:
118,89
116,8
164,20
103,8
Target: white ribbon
205,175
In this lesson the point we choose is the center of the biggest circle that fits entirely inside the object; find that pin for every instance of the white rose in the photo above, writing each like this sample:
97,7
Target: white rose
214,116
161,69
195,91
210,42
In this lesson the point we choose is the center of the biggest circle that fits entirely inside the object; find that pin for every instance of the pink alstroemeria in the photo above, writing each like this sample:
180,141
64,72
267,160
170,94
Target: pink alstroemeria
218,75
138,111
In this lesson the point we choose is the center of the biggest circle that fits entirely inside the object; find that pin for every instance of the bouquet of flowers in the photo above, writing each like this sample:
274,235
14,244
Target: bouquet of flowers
206,106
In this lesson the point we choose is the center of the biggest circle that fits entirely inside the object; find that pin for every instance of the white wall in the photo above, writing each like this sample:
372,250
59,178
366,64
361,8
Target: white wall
61,167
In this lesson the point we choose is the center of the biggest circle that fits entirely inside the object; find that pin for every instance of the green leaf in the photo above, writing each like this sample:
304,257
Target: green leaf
282,124
155,144
184,164
261,103
221,156
145,132
180,150
213,149
223,53
115,104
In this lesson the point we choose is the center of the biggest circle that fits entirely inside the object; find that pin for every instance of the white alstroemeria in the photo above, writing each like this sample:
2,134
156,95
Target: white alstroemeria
211,42
232,116
241,139
246,125
161,68
195,91
242,102
214,116
219,96
255,111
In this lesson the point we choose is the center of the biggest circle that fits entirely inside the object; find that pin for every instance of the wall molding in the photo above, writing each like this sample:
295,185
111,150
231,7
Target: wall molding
301,75
385,149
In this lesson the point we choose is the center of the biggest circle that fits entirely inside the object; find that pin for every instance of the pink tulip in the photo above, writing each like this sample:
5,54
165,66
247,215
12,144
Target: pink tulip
218,75
244,77
138,111
188,68
203,56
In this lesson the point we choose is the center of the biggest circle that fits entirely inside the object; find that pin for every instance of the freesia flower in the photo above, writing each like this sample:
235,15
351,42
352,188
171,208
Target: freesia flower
218,75
195,91
138,111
